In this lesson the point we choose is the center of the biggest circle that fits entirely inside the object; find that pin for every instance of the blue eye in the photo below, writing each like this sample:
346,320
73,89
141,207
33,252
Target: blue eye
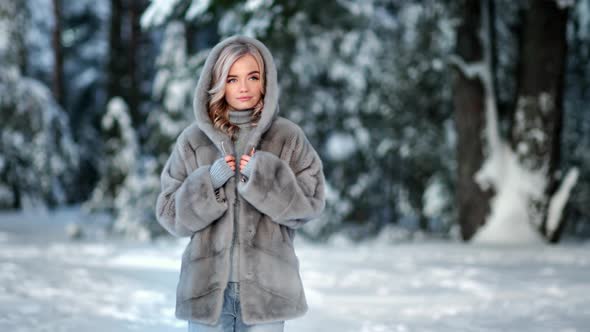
231,80
255,78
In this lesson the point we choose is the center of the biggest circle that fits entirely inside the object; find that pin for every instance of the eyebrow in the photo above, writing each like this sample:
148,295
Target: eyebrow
250,73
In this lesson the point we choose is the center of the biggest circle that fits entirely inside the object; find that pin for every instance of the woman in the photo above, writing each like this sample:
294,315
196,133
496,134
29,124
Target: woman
240,272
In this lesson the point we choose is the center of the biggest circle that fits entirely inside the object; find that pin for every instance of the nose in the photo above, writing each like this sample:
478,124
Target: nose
243,86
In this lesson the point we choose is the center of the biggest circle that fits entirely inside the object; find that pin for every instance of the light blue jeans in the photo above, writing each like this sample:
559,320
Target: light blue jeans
231,317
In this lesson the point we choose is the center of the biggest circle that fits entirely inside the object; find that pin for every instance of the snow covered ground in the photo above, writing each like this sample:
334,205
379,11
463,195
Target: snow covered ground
50,283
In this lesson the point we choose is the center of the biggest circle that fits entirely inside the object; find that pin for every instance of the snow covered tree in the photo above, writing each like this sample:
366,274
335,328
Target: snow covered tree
130,179
536,134
134,203
526,206
121,151
348,83
174,82
469,99
576,119
82,43
171,112
408,80
38,158
125,62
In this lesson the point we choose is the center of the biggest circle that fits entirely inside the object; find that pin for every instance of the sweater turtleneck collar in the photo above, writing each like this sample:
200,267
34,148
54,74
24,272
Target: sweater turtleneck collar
240,117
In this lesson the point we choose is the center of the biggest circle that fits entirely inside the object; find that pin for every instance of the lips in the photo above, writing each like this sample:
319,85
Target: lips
244,98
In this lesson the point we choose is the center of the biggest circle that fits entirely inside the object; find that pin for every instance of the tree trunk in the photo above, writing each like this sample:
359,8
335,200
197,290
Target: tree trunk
58,83
537,122
133,70
124,54
117,58
468,100
518,31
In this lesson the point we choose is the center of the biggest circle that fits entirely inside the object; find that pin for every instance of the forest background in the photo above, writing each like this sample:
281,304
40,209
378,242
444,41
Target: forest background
449,119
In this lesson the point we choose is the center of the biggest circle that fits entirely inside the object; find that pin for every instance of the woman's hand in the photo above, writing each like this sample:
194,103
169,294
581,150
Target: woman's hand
231,162
245,159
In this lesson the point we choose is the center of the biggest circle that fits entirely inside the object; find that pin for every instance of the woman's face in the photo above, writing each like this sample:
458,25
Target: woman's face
243,89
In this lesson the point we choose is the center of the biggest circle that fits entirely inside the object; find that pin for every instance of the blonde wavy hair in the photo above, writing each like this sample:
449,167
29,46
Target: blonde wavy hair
218,108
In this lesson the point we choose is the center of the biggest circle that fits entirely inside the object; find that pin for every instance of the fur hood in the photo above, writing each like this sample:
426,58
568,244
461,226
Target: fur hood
271,97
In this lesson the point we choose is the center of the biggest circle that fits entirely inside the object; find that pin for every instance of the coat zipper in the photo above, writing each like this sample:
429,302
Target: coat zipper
236,201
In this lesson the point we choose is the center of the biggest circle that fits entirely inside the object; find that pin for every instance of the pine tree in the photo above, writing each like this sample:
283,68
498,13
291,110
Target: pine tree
121,151
527,204
338,67
38,157
171,112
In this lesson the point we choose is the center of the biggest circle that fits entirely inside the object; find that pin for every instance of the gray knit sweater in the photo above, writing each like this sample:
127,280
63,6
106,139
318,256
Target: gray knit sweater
221,172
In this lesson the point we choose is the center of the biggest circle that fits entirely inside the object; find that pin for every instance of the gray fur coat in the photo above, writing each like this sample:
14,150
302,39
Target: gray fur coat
285,191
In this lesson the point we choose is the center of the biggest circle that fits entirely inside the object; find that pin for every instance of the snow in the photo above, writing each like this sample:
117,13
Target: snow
173,51
340,146
565,4
257,25
509,220
102,284
4,37
134,202
434,198
177,94
254,5
410,17
359,8
582,14
384,147
470,70
44,168
118,115
157,12
546,102
559,199
515,216
38,44
197,8
360,186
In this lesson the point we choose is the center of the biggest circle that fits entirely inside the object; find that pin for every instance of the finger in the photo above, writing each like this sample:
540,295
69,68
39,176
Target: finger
246,157
229,157
252,152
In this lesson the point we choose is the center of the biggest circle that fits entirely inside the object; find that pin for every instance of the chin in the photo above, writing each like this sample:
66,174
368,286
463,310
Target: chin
245,107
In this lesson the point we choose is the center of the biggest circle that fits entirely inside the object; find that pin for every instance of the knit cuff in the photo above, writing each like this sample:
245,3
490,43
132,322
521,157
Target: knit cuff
220,173
247,170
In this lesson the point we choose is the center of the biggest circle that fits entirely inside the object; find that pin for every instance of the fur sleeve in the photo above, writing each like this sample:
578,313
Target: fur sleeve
187,203
290,193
